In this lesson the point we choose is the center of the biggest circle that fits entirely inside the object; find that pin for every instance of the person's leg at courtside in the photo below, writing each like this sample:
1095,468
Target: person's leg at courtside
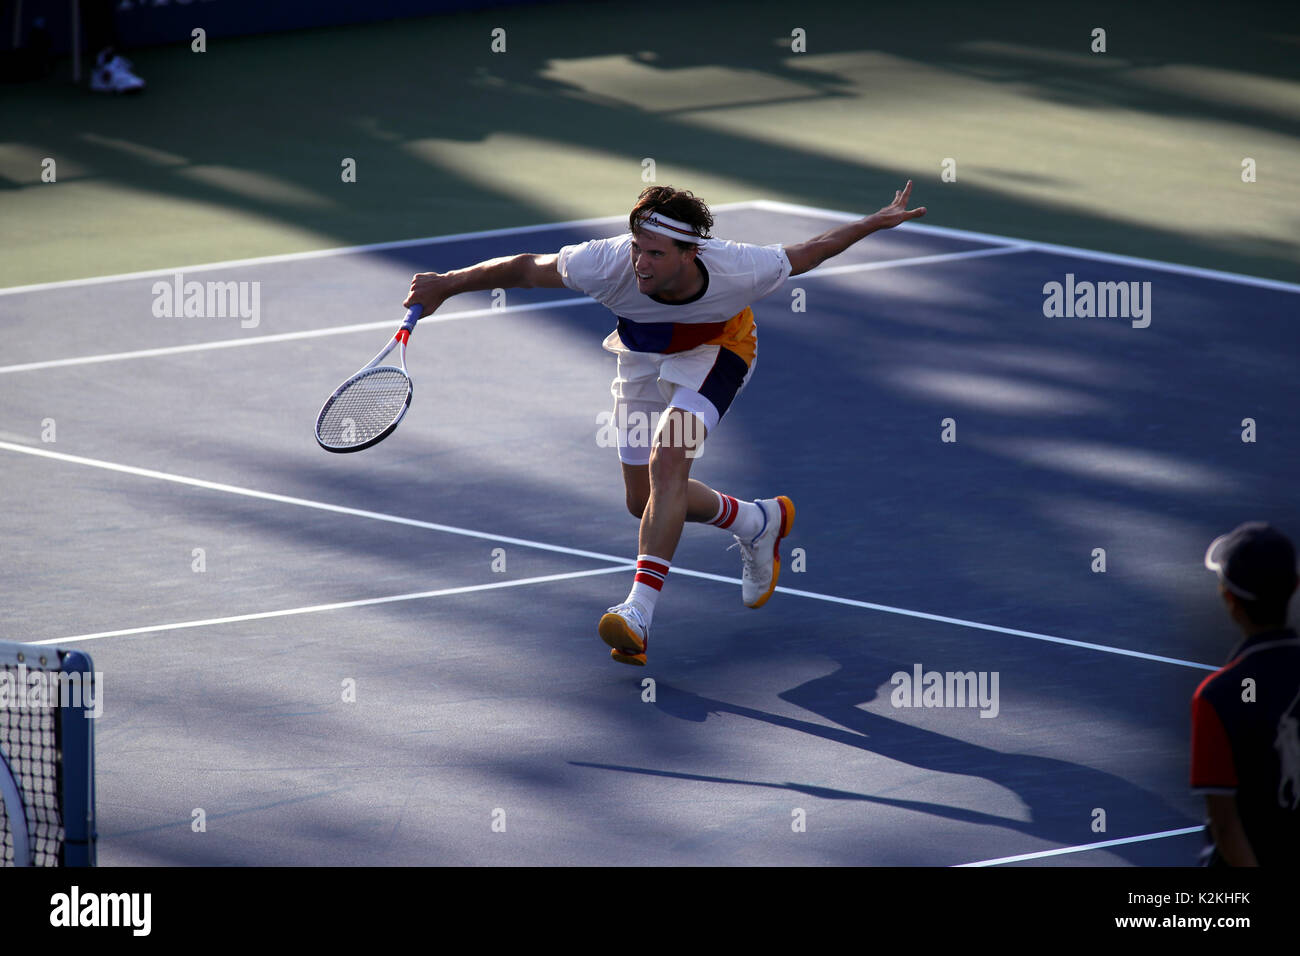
112,72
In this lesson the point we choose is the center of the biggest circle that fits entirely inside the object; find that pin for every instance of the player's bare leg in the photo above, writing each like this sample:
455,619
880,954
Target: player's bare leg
675,498
660,527
701,500
664,494
665,497
678,439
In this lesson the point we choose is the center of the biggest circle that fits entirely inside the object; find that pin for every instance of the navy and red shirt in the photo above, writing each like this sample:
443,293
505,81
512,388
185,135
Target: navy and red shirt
1246,741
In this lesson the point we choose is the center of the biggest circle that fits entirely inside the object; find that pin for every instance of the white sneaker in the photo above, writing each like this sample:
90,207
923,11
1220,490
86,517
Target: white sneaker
115,76
624,628
761,558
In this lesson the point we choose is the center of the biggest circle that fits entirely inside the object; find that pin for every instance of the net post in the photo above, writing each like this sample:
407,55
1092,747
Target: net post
77,777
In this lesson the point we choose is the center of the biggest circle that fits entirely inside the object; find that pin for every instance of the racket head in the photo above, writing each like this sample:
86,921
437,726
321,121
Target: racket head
364,410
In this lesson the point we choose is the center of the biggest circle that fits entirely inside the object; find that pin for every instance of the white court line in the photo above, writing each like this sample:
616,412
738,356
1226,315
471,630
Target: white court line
772,205
768,205
524,543
334,251
1085,847
288,612
306,503
820,272
914,261
286,336
1005,245
1001,630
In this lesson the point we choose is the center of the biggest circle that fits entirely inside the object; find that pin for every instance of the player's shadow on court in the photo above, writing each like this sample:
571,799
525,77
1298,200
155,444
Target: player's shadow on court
1060,796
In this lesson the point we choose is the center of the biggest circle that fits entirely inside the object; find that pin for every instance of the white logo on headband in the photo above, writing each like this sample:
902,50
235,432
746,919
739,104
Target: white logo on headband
673,228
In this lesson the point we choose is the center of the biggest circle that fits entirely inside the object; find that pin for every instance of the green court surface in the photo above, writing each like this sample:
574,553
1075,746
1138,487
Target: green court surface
239,151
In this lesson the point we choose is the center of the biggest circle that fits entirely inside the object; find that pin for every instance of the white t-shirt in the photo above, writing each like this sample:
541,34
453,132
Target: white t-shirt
738,275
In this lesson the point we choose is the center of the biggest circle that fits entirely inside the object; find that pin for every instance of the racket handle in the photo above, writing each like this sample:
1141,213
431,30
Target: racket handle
413,315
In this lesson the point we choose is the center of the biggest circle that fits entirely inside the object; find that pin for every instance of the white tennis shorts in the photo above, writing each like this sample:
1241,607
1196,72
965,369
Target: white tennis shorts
703,381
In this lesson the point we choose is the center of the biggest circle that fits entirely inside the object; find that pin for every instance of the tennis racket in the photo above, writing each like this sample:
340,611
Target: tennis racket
365,409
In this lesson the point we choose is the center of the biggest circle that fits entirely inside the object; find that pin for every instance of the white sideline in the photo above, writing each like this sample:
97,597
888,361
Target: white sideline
364,602
305,502
558,549
1031,245
1085,847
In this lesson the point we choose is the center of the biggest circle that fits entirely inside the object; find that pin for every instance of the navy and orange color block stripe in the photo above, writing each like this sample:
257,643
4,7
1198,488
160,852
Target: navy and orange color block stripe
737,334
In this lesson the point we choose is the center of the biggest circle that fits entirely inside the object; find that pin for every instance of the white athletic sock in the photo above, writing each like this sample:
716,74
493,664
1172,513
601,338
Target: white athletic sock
744,519
649,580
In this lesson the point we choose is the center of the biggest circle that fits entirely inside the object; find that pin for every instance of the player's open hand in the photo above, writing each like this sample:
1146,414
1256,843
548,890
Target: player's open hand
428,289
897,211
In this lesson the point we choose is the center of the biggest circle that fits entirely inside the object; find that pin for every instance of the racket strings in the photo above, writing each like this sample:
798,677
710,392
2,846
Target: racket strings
365,407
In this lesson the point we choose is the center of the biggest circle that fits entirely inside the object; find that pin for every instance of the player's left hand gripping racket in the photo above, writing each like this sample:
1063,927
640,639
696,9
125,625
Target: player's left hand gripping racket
365,409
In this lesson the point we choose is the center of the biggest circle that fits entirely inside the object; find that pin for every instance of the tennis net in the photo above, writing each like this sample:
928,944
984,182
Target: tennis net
47,779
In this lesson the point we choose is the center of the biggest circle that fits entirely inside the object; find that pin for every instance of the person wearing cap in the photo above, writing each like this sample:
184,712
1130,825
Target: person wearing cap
1246,715
686,346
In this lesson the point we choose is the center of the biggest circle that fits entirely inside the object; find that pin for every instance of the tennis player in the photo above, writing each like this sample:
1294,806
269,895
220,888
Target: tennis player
686,347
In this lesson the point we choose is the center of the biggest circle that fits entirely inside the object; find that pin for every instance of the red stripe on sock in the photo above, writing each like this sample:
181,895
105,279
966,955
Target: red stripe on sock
730,508
651,573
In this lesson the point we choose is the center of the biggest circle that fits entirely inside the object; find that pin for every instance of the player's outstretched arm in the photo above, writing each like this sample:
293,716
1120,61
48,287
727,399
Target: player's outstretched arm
524,271
811,254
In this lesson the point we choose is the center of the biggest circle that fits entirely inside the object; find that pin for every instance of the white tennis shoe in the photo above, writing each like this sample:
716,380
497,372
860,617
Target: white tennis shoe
114,76
624,628
761,558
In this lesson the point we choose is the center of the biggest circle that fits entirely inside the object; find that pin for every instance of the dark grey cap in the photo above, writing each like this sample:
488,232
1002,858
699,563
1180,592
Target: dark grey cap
1254,561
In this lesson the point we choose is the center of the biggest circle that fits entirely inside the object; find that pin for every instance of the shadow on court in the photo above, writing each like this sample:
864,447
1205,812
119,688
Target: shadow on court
1058,795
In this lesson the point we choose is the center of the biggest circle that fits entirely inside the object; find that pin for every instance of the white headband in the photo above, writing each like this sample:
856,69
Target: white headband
674,229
